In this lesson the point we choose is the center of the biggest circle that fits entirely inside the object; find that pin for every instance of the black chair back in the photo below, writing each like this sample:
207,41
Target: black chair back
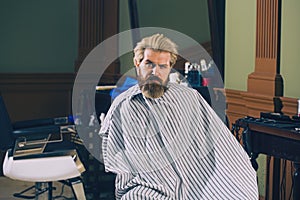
6,137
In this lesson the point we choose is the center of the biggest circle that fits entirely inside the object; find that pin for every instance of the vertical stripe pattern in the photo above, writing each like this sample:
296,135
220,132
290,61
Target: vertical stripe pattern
173,147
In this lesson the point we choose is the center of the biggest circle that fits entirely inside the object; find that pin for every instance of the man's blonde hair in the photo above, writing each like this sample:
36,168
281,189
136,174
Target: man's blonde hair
157,42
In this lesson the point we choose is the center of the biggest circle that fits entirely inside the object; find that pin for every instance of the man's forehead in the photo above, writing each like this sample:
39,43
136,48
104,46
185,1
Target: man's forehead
149,49
156,53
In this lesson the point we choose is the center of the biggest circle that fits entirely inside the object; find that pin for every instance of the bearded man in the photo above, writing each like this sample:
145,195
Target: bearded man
164,141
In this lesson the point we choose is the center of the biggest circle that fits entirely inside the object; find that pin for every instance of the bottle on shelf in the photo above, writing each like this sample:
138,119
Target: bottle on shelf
194,75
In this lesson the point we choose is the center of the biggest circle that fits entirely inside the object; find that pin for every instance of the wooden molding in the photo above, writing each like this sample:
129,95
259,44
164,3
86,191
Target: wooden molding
30,96
38,95
19,81
289,106
257,103
241,104
235,105
267,32
265,84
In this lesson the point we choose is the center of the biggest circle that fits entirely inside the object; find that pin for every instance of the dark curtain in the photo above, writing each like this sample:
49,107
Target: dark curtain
134,20
216,10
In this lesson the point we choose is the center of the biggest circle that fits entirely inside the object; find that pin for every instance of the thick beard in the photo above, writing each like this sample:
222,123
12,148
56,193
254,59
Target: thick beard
152,89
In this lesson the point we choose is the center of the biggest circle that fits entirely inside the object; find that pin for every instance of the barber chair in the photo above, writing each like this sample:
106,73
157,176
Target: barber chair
41,151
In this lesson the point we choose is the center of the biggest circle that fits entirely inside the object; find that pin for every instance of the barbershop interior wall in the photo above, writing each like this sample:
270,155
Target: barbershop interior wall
39,47
38,51
240,27
188,17
239,42
42,36
38,36
290,47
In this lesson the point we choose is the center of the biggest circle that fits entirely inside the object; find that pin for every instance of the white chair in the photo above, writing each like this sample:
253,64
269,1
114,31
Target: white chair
41,151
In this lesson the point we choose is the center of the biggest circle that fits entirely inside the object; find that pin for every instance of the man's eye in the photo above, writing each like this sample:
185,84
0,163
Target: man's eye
163,66
149,65
152,65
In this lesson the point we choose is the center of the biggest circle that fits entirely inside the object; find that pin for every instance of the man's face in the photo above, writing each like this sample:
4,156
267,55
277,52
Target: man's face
153,72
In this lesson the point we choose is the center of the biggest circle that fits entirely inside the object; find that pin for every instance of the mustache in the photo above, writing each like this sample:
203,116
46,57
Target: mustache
154,78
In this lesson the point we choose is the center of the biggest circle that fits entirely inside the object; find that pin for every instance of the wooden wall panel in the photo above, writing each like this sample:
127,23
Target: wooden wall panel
236,105
98,20
241,104
289,106
31,96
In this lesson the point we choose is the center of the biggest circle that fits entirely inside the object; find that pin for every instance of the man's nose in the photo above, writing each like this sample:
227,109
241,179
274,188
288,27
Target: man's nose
154,70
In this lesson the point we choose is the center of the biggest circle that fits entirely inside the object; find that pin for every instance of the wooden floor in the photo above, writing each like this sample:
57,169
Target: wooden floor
8,187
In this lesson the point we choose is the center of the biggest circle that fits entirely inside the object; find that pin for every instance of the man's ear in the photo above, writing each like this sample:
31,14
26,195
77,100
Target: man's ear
136,62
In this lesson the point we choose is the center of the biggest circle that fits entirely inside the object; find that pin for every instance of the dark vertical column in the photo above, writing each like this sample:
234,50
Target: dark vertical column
134,20
216,9
276,179
296,187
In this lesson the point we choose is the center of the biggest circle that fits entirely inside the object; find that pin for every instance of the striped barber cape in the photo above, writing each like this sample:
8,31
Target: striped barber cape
173,147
